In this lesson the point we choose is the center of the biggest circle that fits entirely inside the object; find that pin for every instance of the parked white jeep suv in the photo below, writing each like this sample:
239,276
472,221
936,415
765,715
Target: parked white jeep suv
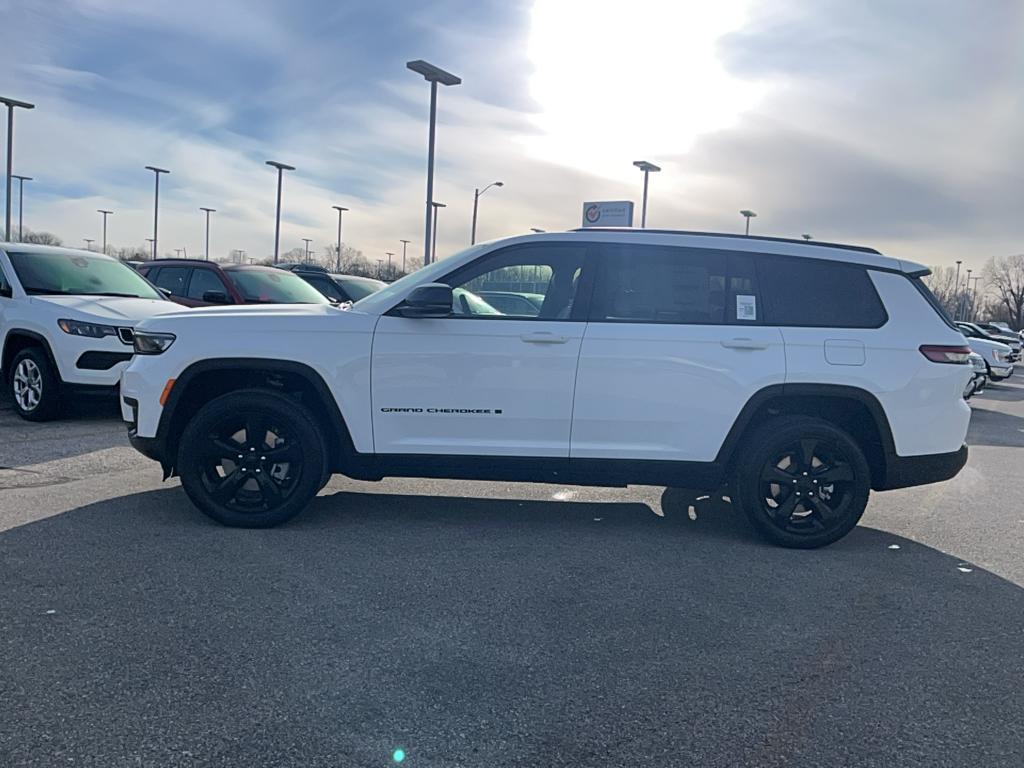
66,323
803,374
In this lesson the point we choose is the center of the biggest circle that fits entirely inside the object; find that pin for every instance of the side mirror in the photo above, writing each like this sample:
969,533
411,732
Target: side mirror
5,291
430,300
215,297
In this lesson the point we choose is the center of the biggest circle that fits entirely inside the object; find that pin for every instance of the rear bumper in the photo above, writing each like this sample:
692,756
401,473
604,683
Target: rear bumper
906,471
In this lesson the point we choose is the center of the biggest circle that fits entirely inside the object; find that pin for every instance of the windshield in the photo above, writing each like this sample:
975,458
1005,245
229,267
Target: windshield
360,287
274,287
73,274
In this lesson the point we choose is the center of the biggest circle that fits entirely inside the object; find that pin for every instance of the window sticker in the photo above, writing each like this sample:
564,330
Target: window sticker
746,307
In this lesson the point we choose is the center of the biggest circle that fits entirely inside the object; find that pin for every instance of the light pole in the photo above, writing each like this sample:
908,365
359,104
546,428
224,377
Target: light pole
380,268
956,282
433,248
648,169
11,104
281,168
88,243
961,305
156,201
748,215
405,244
150,241
806,236
476,201
177,252
307,241
21,203
340,209
208,211
974,297
105,214
432,75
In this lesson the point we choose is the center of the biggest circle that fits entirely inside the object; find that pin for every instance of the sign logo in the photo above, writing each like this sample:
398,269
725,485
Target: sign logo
593,214
608,213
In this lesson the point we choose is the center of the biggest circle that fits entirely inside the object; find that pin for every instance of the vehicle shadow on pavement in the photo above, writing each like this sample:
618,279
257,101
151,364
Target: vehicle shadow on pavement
997,428
1011,391
473,631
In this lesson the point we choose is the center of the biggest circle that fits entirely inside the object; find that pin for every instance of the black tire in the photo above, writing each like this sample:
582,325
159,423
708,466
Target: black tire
226,458
34,385
802,482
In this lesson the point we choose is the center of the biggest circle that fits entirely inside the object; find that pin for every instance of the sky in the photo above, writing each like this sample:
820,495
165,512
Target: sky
890,123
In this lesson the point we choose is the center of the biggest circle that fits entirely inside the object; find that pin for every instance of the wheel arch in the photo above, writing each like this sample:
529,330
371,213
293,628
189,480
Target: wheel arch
204,380
18,339
853,409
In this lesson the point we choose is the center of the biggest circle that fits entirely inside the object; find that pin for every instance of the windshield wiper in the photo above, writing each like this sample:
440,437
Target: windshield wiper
49,292
115,293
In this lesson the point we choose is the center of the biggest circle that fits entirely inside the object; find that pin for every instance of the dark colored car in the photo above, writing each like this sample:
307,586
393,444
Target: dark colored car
336,287
205,283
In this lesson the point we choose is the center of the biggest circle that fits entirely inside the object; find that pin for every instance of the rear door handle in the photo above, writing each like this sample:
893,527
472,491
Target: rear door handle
744,343
543,337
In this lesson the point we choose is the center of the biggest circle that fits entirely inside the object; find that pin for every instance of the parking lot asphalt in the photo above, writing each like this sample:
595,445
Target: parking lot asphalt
499,624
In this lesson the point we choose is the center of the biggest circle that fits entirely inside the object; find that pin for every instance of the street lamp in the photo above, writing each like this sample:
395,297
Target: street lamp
307,241
405,244
21,203
150,241
11,104
390,254
281,168
340,209
433,249
105,214
748,215
432,75
647,168
476,201
88,243
208,211
974,297
156,200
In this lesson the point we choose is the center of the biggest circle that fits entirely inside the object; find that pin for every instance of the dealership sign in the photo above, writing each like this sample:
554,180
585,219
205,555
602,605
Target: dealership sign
609,213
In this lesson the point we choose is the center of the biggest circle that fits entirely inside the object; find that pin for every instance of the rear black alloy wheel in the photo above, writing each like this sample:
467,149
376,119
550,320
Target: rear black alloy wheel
804,483
251,459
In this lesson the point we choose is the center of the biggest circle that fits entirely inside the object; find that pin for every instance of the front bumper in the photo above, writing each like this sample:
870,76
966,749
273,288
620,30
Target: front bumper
906,471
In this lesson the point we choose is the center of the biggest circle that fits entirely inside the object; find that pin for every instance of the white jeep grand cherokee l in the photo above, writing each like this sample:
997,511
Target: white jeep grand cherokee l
803,374
66,323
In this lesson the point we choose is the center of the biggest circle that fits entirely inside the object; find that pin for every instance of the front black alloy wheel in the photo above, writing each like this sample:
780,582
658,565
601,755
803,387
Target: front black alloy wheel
251,458
803,482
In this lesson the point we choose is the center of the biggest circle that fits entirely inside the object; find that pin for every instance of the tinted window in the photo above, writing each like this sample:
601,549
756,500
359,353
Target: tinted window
327,288
274,286
5,287
359,287
655,284
818,294
172,279
78,275
551,272
204,280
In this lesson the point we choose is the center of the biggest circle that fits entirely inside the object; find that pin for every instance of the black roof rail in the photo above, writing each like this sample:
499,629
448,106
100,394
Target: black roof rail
819,243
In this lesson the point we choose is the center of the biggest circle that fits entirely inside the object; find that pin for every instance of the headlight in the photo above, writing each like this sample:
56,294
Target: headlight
152,343
92,330
999,355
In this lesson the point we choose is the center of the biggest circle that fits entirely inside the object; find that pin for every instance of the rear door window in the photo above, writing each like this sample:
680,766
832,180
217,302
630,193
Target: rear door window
815,293
660,284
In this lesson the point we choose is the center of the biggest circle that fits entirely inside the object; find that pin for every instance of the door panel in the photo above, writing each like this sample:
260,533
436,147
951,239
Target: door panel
673,350
482,382
473,386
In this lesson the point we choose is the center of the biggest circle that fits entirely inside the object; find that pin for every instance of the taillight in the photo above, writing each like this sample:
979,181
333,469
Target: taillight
938,353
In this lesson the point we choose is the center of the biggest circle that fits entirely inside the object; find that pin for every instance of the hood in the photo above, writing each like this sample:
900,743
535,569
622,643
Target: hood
115,310
251,317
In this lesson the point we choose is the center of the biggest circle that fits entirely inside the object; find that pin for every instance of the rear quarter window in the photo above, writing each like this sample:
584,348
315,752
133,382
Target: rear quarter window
814,293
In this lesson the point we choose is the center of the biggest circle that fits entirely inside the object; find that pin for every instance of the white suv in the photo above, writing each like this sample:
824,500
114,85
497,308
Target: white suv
803,374
66,323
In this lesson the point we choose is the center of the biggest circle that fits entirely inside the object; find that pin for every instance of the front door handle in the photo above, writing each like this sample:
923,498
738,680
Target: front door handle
543,337
744,343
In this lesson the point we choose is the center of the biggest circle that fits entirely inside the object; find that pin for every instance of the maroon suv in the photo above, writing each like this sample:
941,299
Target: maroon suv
204,283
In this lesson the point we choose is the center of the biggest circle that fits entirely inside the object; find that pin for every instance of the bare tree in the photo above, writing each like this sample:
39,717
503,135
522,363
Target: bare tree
1004,276
41,238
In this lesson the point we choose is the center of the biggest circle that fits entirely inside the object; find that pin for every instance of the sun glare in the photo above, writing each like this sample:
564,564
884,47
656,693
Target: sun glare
617,81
